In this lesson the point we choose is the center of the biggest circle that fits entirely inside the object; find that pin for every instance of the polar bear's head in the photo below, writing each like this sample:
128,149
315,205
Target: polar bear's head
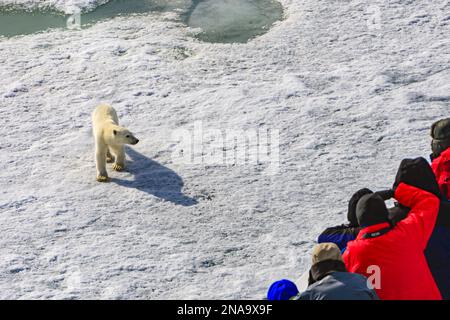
124,136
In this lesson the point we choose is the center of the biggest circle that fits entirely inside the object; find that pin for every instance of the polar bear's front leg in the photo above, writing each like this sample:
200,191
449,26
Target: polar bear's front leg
119,153
100,157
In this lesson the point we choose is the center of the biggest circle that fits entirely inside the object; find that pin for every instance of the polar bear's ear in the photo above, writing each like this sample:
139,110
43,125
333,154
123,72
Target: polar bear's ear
115,132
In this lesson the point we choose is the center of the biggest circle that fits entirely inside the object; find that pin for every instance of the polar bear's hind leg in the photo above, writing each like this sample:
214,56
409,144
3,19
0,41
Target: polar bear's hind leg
109,157
119,155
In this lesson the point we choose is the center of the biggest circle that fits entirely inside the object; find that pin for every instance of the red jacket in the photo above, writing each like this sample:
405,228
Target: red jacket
399,253
441,168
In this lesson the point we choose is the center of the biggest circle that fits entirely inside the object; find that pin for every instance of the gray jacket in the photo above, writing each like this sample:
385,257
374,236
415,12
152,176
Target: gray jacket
339,286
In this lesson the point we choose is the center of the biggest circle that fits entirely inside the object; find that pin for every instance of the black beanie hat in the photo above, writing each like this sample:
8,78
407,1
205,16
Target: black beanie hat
440,132
371,210
351,214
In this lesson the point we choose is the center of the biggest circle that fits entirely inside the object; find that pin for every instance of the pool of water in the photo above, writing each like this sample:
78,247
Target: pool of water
233,20
218,20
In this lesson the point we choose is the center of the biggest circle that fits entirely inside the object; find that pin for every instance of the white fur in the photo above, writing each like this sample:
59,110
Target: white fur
110,139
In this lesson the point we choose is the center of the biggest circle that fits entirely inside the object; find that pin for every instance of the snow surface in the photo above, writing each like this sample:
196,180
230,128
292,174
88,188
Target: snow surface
353,87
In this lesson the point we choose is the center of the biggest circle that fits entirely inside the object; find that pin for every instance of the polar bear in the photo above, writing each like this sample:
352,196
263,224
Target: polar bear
110,139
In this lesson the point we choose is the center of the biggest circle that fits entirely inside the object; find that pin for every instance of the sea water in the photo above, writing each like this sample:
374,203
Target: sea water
216,20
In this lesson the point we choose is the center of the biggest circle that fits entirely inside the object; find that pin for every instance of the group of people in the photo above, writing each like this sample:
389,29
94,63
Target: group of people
400,253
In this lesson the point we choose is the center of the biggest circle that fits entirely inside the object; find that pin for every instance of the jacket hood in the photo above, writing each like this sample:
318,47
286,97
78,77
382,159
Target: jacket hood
322,269
351,214
371,210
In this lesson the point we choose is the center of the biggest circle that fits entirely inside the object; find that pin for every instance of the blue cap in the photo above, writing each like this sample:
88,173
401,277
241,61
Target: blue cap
282,290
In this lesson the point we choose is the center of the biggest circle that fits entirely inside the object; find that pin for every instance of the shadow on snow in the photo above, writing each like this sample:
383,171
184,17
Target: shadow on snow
155,179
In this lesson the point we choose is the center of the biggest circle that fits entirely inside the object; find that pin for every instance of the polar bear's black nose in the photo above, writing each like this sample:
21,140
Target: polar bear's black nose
137,140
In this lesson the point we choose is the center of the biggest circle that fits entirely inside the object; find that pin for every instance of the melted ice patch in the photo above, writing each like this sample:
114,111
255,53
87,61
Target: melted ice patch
233,20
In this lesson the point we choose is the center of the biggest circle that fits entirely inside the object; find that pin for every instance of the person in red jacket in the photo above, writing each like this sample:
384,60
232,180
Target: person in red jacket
392,257
440,145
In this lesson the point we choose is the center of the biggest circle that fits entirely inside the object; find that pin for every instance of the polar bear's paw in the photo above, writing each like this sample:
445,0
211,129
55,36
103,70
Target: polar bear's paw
118,167
102,178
